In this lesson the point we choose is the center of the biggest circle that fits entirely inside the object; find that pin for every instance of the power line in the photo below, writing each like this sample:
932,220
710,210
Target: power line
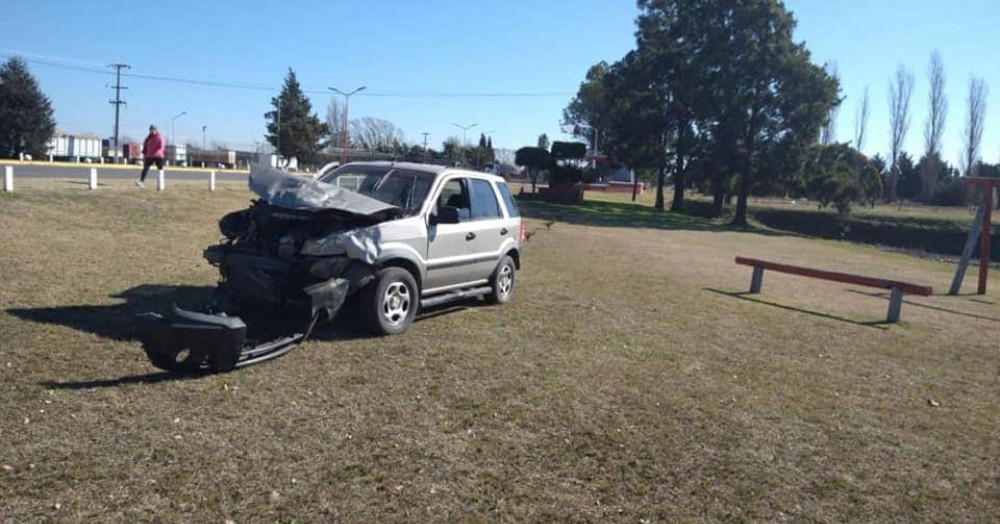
277,89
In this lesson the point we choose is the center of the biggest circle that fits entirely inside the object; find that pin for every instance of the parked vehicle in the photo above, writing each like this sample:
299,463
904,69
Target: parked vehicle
397,236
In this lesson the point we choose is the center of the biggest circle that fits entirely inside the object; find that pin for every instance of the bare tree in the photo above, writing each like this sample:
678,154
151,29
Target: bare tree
861,122
376,134
828,135
900,91
934,128
973,135
336,119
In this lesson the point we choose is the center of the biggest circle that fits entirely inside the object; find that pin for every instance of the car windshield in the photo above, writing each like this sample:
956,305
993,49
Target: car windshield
399,187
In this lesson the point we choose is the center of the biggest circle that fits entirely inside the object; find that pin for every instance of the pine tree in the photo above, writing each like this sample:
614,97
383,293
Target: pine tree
292,128
26,117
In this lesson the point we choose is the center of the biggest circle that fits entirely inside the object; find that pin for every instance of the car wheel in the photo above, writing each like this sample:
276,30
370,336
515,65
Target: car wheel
390,302
502,282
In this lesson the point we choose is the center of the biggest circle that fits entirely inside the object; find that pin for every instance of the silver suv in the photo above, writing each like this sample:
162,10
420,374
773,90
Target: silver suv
392,237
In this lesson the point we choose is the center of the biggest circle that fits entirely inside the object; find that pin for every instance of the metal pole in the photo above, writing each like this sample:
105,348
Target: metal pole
203,128
970,245
346,122
984,240
464,140
173,138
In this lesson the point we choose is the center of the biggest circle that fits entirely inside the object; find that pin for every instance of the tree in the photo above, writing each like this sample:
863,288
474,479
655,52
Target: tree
908,178
861,122
336,119
292,128
976,117
635,126
26,117
534,159
937,112
900,90
376,134
671,41
775,96
586,114
543,141
831,177
829,133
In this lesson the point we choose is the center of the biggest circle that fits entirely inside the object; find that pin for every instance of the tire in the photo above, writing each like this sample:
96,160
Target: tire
390,303
502,282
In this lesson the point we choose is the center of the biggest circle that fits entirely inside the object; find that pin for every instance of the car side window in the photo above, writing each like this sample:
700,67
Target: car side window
455,194
484,200
508,200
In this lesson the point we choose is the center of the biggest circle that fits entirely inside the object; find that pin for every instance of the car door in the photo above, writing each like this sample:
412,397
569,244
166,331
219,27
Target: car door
489,227
450,255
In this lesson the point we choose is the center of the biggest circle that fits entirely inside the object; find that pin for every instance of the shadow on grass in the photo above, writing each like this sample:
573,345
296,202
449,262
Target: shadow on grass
745,295
115,321
928,306
599,213
149,378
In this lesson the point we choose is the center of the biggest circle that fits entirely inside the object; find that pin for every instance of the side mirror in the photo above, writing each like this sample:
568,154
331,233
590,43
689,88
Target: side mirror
445,215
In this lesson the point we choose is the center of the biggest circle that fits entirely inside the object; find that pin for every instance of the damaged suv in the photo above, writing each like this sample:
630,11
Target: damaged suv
391,237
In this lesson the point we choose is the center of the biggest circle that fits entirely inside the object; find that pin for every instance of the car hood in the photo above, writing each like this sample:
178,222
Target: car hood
282,189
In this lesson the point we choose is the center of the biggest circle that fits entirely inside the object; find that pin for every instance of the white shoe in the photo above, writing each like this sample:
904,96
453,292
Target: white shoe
138,183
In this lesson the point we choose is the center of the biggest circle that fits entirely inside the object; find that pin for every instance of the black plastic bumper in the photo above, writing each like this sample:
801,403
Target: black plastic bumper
186,341
189,342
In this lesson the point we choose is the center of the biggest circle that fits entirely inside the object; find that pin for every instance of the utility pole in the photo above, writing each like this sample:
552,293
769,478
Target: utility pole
425,133
118,102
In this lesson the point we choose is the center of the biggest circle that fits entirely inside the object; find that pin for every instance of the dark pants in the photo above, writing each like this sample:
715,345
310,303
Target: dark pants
148,162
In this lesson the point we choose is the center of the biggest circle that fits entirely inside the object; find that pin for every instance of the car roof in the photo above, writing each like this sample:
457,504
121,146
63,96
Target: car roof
431,168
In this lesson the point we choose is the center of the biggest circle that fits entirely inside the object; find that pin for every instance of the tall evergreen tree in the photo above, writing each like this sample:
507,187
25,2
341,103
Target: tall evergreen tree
26,117
292,128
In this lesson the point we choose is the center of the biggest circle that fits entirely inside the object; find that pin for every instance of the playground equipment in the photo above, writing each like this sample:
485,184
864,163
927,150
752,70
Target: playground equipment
980,232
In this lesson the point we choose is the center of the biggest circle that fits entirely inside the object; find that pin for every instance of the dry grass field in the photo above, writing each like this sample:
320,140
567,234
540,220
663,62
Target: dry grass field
630,380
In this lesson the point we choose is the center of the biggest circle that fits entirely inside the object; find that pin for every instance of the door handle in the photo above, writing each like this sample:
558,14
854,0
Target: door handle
470,236
503,231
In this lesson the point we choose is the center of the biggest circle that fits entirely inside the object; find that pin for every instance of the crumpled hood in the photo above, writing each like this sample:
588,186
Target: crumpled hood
281,189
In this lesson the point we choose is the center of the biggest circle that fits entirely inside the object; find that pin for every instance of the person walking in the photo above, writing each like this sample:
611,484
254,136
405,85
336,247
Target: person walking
152,153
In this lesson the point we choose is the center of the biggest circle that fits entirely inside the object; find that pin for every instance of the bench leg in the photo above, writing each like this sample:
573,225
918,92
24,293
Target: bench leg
895,304
755,281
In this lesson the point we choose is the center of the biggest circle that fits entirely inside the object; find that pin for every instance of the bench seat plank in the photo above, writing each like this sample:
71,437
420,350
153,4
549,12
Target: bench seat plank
835,276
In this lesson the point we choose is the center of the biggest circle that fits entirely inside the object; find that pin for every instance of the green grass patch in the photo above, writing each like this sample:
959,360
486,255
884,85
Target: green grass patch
627,381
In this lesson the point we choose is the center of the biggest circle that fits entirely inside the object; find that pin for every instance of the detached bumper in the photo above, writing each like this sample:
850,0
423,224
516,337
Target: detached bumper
186,341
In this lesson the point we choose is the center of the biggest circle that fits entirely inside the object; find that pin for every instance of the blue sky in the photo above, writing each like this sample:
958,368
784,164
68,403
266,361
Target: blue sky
420,61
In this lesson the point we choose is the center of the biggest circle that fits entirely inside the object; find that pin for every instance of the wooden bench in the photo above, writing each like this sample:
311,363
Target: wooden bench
896,287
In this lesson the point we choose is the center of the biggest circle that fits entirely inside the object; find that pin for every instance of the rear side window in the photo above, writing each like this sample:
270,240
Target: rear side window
484,200
508,200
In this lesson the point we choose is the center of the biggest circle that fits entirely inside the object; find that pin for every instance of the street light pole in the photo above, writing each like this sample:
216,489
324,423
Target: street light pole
343,131
464,140
173,139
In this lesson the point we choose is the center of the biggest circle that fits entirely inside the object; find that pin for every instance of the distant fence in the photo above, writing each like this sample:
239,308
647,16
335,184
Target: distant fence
91,174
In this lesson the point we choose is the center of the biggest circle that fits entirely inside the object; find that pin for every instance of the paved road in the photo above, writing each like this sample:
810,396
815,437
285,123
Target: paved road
82,171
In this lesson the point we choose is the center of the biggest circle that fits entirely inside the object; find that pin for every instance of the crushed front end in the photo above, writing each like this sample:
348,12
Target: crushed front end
286,264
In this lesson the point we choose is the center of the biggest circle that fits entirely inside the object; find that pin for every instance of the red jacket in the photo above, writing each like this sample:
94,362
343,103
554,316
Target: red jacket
153,146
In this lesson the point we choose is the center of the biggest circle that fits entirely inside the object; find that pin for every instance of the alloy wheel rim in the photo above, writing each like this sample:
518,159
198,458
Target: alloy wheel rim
396,303
505,280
